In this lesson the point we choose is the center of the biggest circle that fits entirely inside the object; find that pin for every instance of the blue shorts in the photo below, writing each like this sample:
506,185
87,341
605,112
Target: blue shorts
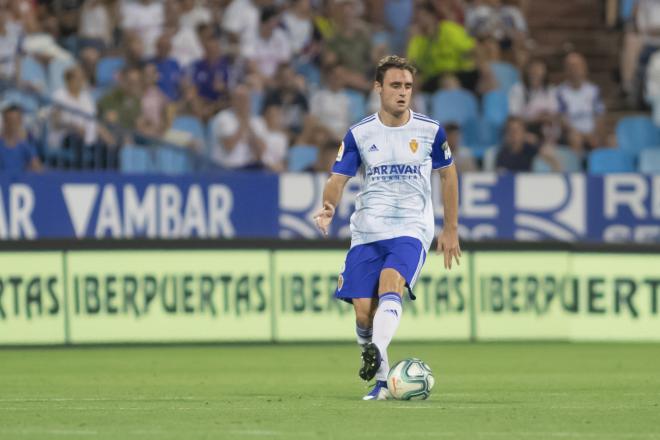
359,278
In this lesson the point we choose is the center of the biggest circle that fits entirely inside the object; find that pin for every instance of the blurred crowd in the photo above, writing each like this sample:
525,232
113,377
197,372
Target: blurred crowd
275,84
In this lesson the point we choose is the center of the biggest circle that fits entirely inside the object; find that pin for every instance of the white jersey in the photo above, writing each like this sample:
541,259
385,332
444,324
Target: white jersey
395,164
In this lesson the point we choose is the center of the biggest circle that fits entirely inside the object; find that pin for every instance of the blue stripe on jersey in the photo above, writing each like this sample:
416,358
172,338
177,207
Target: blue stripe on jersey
364,121
427,120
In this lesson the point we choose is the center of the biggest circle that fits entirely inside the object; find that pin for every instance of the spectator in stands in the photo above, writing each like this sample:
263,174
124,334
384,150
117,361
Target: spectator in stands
241,21
462,155
271,130
146,18
210,79
288,92
491,18
157,112
297,21
642,35
192,14
517,154
88,57
122,106
326,157
534,99
580,105
350,48
441,48
170,73
236,143
73,126
97,21
17,153
331,104
186,42
133,46
9,46
270,49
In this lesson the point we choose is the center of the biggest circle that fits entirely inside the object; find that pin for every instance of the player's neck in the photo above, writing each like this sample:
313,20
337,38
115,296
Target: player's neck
392,120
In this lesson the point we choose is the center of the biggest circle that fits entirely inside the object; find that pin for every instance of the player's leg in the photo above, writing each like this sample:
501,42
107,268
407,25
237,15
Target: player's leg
388,315
402,265
365,308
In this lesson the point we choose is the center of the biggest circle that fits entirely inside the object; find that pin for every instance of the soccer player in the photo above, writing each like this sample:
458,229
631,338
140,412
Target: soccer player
392,226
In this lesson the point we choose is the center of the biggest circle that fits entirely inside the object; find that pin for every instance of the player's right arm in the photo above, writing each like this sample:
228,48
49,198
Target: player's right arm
346,166
332,192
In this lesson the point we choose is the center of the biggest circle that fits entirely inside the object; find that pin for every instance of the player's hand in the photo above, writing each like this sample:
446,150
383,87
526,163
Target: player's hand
323,217
448,244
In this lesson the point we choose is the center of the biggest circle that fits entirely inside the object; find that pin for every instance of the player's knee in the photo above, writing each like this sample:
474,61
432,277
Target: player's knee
391,281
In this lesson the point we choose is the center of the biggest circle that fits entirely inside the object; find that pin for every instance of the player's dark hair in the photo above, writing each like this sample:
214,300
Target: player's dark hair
392,62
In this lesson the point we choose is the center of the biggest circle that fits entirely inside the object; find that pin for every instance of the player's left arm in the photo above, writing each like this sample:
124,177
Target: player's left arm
448,238
441,159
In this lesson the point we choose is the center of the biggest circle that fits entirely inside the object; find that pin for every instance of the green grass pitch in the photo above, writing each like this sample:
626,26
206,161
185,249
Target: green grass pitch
483,391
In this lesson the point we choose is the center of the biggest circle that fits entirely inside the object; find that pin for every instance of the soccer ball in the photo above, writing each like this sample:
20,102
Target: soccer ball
410,379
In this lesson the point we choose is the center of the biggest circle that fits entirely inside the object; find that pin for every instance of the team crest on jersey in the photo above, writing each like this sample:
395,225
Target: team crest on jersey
413,145
340,153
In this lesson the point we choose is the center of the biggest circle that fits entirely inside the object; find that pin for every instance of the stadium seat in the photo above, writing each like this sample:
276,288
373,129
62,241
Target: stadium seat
134,159
634,133
457,106
311,73
34,73
649,161
626,8
570,162
496,107
479,134
107,70
192,125
611,160
358,105
56,70
506,74
301,157
172,160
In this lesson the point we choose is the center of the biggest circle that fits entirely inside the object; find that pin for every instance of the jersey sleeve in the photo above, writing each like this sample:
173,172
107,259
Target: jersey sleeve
440,152
348,157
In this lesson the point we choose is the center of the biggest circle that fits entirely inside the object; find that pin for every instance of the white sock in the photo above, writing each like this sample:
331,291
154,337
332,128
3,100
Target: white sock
386,321
363,334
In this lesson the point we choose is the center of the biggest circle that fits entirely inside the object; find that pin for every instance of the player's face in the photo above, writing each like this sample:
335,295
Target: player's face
396,91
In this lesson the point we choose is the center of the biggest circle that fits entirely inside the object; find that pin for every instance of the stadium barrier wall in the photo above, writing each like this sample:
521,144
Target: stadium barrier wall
54,293
572,207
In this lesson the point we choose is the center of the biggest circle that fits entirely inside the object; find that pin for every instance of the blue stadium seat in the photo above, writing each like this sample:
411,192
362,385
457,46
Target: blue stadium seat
626,8
34,73
56,70
192,125
506,74
611,160
358,105
107,69
479,134
301,157
172,160
496,107
570,162
134,159
649,161
634,133
457,106
311,73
